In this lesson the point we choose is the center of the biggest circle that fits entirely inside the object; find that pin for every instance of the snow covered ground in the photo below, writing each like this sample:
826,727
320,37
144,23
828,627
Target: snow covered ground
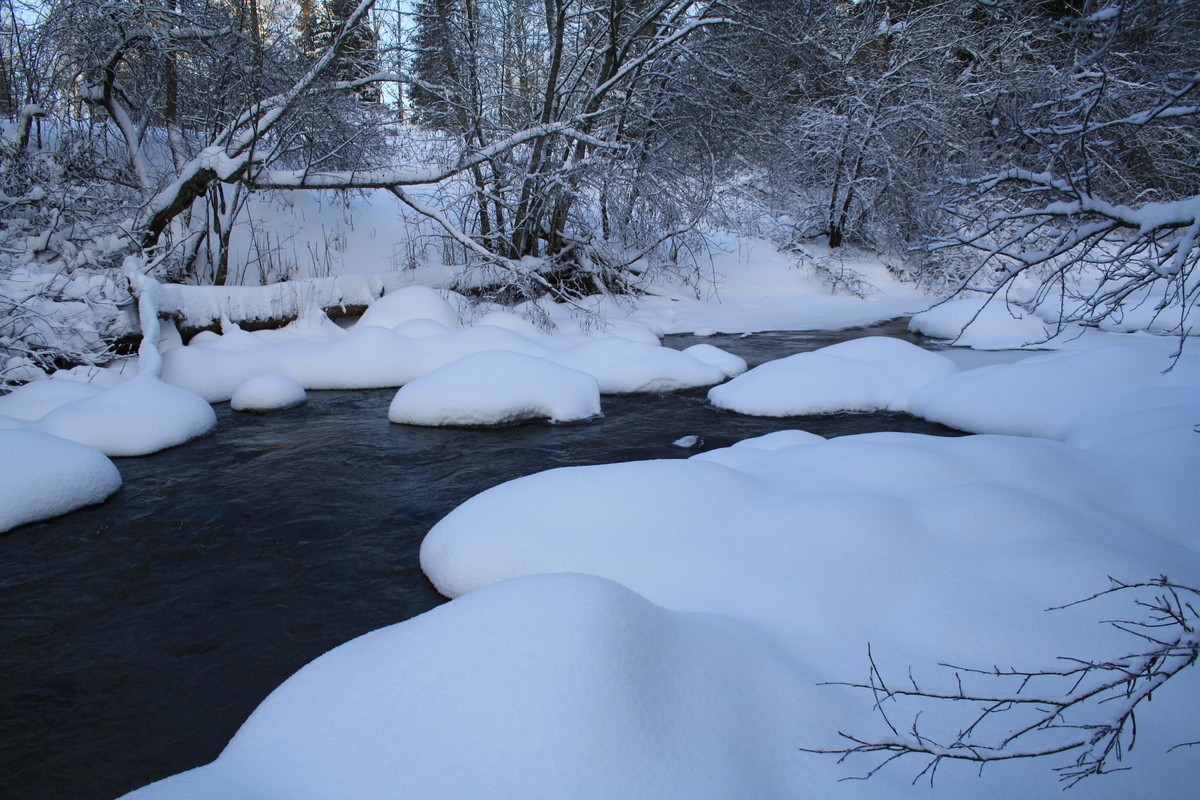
669,628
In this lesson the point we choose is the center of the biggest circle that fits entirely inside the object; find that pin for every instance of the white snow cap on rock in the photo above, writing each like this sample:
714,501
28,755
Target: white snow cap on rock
140,416
556,686
42,476
497,387
622,366
858,375
267,393
981,323
37,399
728,363
410,303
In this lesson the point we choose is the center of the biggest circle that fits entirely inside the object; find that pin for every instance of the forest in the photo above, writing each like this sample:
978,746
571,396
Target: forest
1046,151
688,399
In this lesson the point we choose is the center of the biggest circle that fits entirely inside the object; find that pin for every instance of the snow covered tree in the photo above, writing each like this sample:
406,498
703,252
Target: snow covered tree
887,96
584,79
1092,209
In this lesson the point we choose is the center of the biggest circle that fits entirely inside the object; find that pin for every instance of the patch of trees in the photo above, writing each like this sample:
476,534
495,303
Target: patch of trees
557,145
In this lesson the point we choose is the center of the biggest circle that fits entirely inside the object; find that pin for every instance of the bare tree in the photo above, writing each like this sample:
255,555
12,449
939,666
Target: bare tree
1085,709
1096,197
589,78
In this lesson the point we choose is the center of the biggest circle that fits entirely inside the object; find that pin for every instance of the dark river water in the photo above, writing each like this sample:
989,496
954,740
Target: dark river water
137,635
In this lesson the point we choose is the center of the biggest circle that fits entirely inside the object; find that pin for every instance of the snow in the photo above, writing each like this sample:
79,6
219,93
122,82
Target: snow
864,374
485,698
131,417
728,363
43,476
1039,395
667,629
625,367
34,400
267,393
663,629
982,323
414,331
140,416
495,388
411,303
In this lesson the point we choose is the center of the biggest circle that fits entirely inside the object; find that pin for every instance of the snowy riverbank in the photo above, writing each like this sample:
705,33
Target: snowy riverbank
668,628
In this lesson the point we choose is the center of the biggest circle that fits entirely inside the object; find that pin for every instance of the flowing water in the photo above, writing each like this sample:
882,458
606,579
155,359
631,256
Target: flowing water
137,635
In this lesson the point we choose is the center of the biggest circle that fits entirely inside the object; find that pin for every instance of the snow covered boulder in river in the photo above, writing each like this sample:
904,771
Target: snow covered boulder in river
859,375
553,686
140,416
981,323
42,476
622,366
494,388
267,393
37,399
407,304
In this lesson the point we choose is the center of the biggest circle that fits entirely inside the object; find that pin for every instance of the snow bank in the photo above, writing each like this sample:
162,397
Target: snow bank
411,303
748,285
414,331
201,306
624,367
859,375
42,476
1039,395
37,399
140,416
549,687
981,323
494,388
267,393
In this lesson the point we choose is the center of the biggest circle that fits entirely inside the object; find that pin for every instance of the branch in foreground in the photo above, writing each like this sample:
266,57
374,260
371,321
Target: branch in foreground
1086,708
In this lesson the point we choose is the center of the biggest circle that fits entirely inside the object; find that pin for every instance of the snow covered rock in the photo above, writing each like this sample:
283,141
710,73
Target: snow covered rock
37,399
140,416
494,388
1039,395
42,476
552,686
623,366
858,375
981,323
409,303
728,363
267,393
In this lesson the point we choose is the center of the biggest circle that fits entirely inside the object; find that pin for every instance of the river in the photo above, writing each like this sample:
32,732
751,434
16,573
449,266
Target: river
137,635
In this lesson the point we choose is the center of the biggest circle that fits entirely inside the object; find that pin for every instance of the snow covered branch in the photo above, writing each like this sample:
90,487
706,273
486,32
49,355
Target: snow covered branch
1087,708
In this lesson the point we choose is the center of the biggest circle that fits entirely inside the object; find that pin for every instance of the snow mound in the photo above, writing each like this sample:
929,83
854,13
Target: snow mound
37,399
42,476
627,358
864,374
366,357
930,549
140,416
1039,395
985,323
622,366
551,686
494,388
410,303
267,393
728,363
